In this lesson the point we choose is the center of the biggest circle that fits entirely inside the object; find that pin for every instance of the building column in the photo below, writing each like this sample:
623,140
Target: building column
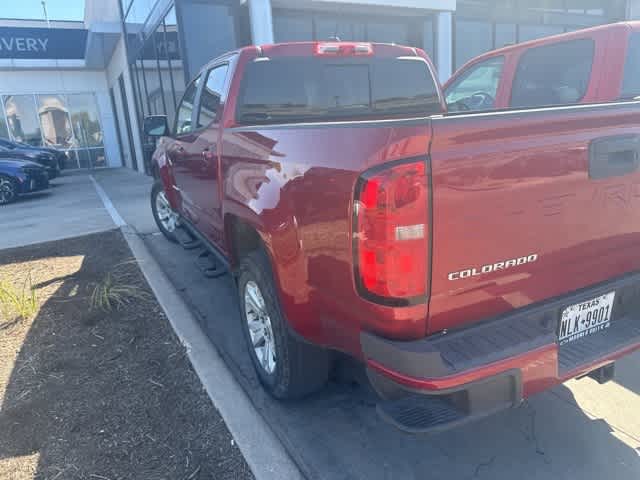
261,21
444,45
633,9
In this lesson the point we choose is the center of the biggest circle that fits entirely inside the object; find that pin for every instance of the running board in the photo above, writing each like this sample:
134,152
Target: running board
209,265
186,239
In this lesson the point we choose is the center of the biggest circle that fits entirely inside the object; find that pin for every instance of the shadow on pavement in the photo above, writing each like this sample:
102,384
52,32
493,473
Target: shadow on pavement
101,395
336,434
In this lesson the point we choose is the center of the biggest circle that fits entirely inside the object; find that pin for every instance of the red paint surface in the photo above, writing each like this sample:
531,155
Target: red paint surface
504,186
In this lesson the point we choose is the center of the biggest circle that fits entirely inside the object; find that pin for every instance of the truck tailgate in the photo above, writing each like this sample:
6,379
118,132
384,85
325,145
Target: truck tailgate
531,205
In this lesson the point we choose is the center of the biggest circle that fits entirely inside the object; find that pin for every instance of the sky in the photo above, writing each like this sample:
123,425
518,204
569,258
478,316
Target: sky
32,9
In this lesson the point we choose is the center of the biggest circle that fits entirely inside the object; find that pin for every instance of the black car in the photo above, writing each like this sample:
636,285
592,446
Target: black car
18,177
51,159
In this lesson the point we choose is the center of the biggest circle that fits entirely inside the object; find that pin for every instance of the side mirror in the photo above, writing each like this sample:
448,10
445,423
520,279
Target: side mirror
156,126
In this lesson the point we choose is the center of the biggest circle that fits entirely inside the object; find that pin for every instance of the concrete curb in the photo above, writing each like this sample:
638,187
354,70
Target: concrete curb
264,453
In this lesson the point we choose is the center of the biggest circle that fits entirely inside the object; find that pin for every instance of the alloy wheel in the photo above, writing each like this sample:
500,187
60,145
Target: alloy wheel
7,190
167,217
260,329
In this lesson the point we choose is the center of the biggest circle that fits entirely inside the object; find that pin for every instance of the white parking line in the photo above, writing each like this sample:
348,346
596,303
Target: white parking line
106,201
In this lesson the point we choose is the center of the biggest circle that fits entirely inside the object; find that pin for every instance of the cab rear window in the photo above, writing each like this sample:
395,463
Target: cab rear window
302,89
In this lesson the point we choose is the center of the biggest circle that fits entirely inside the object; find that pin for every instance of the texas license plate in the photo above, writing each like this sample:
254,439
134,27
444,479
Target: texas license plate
586,318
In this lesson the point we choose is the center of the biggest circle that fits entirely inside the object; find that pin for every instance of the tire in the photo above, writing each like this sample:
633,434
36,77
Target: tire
299,368
8,190
157,193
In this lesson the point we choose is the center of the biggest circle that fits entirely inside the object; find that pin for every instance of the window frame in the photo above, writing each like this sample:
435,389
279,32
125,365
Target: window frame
223,94
174,130
466,72
523,56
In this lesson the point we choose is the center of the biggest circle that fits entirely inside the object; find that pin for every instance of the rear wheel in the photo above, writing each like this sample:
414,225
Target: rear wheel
287,366
166,218
8,190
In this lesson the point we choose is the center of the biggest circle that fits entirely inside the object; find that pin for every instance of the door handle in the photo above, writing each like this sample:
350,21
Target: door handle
614,156
208,156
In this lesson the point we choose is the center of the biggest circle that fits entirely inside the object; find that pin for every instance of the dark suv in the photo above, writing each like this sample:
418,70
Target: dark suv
51,159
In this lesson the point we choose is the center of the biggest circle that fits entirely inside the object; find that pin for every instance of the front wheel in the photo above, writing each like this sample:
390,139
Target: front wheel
166,218
288,367
8,190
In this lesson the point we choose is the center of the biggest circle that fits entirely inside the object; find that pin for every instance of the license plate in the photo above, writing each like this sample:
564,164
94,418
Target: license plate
586,318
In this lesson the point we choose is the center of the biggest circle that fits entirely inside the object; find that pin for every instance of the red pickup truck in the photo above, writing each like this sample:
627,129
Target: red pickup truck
594,65
469,260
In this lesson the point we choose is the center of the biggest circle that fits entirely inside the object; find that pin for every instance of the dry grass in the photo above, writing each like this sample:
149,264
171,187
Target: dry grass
117,290
17,302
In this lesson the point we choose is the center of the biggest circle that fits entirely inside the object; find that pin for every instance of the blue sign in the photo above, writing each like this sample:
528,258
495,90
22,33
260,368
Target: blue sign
42,43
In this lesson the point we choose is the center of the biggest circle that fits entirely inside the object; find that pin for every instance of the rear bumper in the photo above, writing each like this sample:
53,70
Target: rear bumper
496,364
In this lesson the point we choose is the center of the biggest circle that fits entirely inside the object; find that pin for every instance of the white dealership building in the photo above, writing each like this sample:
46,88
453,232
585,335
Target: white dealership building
85,86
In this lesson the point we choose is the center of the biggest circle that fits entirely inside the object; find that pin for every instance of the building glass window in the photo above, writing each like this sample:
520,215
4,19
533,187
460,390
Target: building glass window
22,119
472,38
4,130
55,122
301,26
292,28
429,39
328,27
505,34
534,32
85,121
211,32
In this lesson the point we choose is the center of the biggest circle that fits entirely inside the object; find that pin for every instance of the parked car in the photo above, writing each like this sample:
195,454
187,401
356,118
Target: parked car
556,70
19,177
51,159
469,260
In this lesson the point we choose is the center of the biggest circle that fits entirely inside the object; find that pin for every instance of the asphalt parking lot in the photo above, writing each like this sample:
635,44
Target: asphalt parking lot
579,430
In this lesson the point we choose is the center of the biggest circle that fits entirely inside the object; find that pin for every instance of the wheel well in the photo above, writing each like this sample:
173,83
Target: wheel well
243,238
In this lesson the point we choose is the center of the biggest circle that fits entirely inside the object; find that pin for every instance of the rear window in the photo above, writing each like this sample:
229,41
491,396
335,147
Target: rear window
631,82
302,89
556,74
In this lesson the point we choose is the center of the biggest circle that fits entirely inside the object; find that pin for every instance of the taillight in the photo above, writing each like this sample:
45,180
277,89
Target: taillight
391,233
343,49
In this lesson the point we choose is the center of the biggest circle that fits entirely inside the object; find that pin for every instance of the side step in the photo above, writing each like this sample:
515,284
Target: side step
186,239
420,414
209,265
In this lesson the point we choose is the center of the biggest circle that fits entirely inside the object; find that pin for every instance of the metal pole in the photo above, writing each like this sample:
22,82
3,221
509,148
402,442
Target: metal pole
46,15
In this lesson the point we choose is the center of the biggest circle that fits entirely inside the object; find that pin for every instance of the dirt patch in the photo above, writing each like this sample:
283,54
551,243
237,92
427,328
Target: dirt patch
93,394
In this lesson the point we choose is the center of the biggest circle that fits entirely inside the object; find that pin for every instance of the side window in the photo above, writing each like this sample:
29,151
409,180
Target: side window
477,88
631,82
210,98
556,74
185,110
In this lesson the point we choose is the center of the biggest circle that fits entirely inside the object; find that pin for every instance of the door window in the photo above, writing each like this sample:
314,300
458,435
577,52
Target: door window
477,88
211,96
185,110
556,74
631,83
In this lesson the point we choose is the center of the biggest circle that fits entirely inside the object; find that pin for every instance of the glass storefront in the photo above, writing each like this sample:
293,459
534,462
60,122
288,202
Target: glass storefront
160,65
296,26
67,122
